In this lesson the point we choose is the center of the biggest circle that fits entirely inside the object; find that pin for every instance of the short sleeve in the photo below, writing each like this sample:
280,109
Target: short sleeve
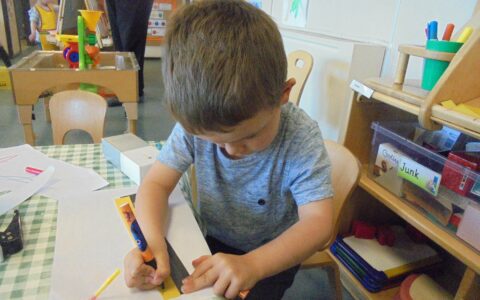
309,175
33,15
177,152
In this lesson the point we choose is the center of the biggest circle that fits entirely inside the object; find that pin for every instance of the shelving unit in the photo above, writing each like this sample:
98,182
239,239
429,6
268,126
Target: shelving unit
404,100
355,288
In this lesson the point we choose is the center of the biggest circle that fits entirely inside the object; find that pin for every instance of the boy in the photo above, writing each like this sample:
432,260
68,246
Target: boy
43,18
262,171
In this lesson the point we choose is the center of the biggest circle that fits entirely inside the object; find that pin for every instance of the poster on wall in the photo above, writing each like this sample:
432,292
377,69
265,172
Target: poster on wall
256,3
295,12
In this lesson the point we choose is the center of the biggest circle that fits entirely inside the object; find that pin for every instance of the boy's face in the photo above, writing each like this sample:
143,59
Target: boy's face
252,135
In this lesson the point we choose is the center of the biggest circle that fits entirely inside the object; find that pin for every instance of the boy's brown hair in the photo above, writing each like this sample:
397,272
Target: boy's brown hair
224,63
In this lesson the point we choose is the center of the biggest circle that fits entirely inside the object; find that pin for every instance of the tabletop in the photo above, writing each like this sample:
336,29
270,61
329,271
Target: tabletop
26,275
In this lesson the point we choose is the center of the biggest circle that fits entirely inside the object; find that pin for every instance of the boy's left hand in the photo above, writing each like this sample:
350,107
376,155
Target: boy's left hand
228,274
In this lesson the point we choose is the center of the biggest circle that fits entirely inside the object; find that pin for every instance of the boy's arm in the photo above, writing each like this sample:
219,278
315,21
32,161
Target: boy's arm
300,241
229,274
152,207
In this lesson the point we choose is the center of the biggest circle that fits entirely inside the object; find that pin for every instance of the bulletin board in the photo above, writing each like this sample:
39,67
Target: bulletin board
161,11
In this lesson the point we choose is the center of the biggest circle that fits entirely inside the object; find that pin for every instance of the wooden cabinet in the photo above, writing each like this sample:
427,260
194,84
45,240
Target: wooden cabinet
400,99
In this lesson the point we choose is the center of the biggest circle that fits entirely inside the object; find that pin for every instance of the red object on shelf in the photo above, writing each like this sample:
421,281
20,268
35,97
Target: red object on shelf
456,179
385,236
363,230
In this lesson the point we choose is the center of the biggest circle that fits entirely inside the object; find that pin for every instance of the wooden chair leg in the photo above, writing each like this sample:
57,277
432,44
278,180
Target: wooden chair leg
334,279
46,104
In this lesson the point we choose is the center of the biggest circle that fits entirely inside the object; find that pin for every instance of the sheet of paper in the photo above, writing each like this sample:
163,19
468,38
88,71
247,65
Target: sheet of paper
92,241
17,196
384,258
66,179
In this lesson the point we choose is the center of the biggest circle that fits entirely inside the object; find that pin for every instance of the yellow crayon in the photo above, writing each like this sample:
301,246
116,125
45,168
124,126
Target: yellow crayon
107,282
466,33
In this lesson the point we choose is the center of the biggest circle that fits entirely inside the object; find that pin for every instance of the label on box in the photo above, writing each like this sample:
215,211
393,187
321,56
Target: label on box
361,88
388,157
419,175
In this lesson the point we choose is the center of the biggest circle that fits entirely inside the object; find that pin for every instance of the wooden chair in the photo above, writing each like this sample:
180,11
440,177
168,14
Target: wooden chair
77,109
345,176
299,67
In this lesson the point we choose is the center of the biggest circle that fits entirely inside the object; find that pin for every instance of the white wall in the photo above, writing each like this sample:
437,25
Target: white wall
334,26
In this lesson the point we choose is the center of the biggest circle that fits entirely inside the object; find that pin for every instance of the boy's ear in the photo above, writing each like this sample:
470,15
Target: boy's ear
287,89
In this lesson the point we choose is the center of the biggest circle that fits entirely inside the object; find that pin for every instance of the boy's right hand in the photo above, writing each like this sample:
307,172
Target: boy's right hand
32,37
142,276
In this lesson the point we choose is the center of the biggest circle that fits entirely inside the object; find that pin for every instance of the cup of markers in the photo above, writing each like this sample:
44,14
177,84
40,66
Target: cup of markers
433,69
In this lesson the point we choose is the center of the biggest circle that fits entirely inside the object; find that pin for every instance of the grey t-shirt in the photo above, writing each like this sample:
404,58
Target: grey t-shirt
248,202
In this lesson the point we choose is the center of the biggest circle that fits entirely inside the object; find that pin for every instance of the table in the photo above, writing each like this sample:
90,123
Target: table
26,275
46,70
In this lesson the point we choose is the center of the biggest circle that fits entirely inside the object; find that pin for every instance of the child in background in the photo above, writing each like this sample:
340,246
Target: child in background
263,174
43,18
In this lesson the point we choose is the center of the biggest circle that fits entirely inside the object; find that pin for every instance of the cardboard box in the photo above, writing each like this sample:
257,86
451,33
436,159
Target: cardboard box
114,145
468,229
136,163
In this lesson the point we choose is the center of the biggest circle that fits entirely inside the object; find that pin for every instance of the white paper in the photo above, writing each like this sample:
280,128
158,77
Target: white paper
67,179
17,196
92,241
384,258
295,12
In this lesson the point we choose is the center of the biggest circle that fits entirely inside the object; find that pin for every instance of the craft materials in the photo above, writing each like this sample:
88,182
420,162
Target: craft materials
33,171
466,33
447,35
125,209
104,285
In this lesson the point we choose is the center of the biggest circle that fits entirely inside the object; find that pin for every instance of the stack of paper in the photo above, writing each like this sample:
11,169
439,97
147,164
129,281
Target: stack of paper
14,161
378,267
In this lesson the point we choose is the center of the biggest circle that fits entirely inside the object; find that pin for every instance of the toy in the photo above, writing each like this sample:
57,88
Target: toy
363,230
385,236
80,50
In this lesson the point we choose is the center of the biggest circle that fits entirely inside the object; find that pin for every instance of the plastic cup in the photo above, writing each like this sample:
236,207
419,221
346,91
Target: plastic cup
433,69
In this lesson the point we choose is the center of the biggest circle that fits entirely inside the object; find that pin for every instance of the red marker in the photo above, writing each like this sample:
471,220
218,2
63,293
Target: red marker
33,171
447,35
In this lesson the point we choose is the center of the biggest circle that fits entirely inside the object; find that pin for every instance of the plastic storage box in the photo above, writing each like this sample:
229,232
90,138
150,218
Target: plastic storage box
441,184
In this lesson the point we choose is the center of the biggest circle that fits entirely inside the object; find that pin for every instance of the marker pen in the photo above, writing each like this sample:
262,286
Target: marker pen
130,221
33,171
432,30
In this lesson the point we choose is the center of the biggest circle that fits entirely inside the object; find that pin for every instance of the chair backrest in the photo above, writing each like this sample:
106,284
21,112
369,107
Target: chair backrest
299,67
77,109
345,176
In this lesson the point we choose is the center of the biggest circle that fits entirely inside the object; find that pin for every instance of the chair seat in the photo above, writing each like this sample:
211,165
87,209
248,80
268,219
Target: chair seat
319,259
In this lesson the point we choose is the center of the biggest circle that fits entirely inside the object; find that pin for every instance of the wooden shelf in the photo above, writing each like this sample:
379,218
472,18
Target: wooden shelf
409,97
412,215
356,289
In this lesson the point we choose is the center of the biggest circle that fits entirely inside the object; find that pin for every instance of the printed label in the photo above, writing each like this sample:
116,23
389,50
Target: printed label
419,175
361,88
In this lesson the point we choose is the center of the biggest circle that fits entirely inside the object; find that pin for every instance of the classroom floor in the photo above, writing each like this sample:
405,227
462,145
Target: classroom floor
154,124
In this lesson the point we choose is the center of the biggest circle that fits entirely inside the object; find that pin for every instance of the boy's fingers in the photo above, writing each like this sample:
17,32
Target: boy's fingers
202,267
221,286
143,271
199,260
207,279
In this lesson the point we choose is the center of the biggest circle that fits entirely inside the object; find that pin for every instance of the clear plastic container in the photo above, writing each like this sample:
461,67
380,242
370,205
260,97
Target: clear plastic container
441,180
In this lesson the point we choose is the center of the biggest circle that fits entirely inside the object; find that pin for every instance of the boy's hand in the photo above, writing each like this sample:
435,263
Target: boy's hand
31,37
228,274
142,276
